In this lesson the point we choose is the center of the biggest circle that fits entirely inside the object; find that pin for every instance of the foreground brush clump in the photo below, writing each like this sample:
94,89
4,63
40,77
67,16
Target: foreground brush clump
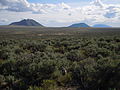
60,63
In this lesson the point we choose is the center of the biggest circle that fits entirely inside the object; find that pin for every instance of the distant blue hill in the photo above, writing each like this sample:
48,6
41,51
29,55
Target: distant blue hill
26,22
101,25
79,25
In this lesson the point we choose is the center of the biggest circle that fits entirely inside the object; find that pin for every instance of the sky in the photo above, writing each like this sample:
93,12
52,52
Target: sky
56,1
60,13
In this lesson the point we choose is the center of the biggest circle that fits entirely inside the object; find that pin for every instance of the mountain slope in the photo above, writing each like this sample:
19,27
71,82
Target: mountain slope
79,25
26,22
101,25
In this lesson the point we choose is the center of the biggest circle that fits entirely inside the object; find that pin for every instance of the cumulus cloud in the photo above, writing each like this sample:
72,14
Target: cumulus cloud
102,12
94,12
24,5
3,20
98,3
14,5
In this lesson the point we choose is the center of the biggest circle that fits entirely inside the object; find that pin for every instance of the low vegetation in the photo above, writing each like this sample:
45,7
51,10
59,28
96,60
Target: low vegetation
60,63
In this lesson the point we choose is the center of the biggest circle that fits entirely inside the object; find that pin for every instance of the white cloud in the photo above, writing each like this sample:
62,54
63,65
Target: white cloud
24,5
98,3
3,20
62,14
15,5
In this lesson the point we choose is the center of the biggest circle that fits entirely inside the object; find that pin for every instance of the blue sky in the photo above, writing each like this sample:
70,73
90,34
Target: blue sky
57,13
58,1
73,1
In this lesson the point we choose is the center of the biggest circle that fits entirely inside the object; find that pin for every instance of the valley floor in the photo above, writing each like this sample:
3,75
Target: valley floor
34,58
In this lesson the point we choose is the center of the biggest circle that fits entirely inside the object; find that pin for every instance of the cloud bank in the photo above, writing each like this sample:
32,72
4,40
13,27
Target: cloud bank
94,12
24,5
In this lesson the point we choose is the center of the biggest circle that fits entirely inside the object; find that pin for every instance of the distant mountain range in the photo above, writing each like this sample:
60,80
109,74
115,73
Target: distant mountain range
31,22
85,25
26,22
79,25
101,25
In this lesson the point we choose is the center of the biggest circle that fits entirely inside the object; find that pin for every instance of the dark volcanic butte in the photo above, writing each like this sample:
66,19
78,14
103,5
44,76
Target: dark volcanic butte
79,25
26,22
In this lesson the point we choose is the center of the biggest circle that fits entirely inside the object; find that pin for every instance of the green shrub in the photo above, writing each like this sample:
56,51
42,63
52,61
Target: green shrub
49,85
65,80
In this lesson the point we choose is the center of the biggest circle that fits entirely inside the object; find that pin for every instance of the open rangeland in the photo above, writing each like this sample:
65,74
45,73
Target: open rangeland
38,58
